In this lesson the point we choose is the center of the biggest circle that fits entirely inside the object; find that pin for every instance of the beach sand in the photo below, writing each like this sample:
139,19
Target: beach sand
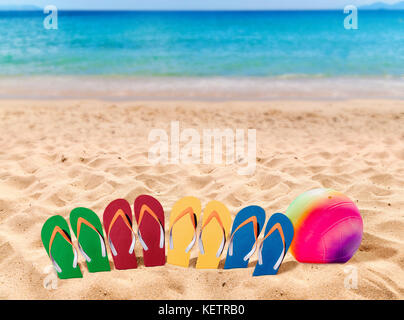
59,154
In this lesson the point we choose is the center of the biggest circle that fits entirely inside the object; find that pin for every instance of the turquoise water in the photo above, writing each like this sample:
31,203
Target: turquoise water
311,43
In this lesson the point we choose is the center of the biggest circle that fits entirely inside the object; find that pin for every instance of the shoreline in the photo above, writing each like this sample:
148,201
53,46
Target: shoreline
122,88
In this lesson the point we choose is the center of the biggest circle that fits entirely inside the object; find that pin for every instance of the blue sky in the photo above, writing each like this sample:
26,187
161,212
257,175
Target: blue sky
194,4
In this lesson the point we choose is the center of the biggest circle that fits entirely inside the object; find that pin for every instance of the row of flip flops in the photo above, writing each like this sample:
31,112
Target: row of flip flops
213,234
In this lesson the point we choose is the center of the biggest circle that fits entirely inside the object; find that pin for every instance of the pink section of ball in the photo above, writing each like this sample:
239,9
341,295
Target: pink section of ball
329,231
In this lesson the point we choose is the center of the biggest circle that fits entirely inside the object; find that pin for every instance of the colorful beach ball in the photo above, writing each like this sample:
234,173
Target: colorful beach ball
328,227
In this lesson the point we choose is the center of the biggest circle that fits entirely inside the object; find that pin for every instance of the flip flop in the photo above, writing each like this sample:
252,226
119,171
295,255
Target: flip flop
182,235
149,215
87,228
216,224
121,237
244,234
56,238
273,248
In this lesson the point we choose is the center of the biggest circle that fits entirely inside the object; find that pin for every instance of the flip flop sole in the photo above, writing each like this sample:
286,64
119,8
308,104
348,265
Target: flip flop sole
150,230
212,235
89,239
120,235
62,251
183,231
244,239
273,245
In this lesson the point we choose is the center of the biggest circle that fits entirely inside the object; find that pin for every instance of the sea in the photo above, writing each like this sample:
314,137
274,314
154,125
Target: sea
209,54
203,44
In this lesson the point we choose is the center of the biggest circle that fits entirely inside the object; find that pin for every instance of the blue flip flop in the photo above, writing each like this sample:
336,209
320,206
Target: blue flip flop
273,248
243,240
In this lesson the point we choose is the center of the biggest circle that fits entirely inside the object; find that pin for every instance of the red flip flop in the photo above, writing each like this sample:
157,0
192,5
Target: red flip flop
149,215
121,237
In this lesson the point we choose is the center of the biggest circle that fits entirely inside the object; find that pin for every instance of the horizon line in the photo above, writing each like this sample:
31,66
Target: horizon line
197,10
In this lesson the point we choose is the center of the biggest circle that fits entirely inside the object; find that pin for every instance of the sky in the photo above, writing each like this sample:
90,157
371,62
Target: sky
193,4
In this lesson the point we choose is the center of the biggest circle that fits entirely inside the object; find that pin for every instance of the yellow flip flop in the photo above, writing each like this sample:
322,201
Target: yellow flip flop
215,229
182,235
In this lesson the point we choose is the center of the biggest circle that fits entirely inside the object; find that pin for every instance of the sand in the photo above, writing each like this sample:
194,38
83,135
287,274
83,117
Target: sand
56,155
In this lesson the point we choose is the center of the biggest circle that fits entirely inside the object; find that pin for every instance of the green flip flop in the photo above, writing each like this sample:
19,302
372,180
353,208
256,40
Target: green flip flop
88,230
58,244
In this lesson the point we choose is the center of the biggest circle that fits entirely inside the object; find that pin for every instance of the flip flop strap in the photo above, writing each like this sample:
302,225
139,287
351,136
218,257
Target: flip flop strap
278,227
145,208
125,219
254,221
55,231
188,211
80,221
212,215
